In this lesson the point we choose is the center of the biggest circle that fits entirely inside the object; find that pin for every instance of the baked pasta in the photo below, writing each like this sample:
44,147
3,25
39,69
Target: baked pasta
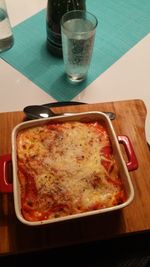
67,168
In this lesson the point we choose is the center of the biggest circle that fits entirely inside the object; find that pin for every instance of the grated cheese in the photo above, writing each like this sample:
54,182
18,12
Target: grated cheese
65,162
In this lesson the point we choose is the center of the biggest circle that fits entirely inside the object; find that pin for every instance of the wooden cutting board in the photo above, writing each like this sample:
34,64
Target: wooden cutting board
16,237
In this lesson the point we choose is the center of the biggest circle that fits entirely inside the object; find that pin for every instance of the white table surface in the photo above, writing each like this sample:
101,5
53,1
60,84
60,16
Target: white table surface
128,78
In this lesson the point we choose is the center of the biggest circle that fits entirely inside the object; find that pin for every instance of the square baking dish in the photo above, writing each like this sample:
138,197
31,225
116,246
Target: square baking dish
124,167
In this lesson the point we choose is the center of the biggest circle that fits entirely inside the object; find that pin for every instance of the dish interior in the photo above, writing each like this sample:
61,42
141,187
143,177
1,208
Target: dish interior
68,167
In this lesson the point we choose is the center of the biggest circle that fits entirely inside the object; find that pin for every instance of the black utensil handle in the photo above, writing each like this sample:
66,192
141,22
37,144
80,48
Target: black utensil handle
111,115
63,103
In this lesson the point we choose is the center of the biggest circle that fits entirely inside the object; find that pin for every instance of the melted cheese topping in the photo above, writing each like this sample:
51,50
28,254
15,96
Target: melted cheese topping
66,168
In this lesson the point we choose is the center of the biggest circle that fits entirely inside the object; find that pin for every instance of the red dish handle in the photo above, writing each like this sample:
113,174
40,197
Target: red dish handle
132,163
5,186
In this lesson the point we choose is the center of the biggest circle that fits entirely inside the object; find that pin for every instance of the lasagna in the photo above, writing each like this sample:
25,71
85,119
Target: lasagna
67,168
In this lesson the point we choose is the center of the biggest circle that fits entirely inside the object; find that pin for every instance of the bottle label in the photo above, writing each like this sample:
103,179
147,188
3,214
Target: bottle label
53,37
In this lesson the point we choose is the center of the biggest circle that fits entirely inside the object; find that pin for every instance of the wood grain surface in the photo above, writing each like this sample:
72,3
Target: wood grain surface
16,237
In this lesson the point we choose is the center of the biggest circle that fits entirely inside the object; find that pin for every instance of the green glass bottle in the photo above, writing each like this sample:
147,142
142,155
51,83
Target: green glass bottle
55,10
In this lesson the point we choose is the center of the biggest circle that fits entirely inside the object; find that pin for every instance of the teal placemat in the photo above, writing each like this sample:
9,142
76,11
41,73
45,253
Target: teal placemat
121,25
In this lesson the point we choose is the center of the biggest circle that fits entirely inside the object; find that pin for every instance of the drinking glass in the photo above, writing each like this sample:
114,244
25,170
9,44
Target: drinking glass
78,29
6,35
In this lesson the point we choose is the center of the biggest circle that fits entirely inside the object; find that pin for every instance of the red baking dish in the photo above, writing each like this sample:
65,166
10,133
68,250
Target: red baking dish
87,118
